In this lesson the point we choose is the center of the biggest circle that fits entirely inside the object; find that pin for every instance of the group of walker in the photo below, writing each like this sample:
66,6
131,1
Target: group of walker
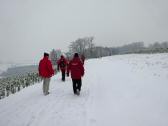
75,67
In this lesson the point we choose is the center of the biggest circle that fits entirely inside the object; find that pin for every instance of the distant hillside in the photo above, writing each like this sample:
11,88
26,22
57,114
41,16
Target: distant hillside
19,70
4,67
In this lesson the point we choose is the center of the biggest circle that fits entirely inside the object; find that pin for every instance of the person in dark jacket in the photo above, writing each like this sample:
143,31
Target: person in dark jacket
77,71
83,58
62,64
46,72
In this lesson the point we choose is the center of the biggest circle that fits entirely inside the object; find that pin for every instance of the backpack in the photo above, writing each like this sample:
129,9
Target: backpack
62,63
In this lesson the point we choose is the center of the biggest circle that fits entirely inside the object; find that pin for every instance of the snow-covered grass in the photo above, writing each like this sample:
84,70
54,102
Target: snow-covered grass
124,90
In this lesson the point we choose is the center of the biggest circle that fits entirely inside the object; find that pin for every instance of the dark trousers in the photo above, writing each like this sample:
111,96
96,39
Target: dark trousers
77,83
63,75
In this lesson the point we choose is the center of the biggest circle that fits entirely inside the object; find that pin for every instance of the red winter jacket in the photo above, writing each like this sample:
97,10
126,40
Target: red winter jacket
45,68
62,64
76,68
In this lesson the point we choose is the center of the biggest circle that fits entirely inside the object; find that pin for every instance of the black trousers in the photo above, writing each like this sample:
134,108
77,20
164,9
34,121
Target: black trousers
63,75
77,83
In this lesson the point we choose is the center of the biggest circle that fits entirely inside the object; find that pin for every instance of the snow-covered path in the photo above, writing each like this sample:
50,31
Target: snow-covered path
30,108
121,90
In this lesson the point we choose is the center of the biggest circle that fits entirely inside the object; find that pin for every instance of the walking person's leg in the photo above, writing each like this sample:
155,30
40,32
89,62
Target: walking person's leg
78,86
74,85
63,75
47,85
44,81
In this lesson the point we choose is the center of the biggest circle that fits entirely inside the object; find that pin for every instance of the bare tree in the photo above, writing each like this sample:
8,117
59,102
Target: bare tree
82,45
54,56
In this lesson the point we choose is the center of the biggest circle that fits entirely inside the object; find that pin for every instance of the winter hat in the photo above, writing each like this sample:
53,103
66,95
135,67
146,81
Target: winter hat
46,54
76,55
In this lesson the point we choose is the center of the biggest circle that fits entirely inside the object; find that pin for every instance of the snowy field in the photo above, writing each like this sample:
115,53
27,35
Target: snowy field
124,90
14,69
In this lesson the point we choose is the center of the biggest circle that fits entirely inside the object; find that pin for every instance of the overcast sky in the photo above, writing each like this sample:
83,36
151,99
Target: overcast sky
30,27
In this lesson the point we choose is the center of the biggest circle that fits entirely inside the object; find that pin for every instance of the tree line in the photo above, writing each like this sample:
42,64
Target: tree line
86,46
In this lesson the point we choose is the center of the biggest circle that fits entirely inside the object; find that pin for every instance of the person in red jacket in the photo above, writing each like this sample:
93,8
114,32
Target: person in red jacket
77,71
46,72
62,64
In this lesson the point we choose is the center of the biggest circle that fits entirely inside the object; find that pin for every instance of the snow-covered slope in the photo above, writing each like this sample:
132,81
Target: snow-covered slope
125,90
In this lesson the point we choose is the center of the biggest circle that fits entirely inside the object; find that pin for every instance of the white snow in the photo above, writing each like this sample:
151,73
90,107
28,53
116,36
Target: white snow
124,90
4,67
